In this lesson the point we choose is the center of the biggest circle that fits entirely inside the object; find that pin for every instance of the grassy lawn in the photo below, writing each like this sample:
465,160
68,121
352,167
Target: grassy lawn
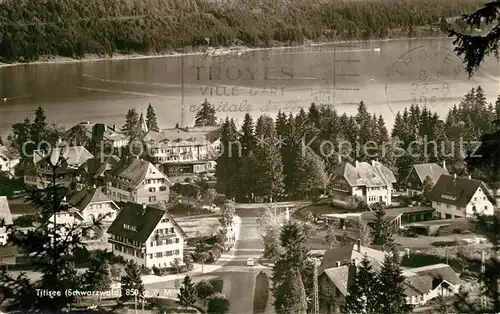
183,210
319,209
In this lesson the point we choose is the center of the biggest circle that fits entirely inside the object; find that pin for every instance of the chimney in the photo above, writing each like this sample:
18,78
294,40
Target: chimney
444,164
337,264
454,177
351,275
358,242
373,162
93,186
356,164
469,177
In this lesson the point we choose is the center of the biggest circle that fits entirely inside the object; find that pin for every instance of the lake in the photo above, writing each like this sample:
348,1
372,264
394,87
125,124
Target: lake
387,75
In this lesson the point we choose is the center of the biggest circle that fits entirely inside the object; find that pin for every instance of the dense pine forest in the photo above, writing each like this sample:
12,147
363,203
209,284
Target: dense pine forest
73,28
303,162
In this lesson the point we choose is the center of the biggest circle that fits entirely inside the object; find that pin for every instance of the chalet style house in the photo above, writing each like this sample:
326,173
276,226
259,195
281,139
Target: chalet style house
65,220
38,172
6,217
146,235
92,203
136,180
458,197
418,175
182,151
337,273
371,183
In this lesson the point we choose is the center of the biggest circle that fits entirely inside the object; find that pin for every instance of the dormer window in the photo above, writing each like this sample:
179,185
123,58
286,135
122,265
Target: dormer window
129,227
448,197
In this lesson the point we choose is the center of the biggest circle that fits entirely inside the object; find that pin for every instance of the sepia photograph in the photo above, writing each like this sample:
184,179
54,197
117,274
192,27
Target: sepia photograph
249,157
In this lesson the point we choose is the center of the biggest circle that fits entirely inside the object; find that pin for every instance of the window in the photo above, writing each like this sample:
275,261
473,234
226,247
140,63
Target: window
163,188
475,199
164,220
176,240
152,199
152,189
176,252
168,253
152,243
159,254
447,205
485,207
172,230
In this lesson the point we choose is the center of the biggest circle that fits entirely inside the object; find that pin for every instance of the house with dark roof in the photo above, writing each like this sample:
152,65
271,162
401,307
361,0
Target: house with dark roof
419,173
371,183
428,282
147,235
421,285
459,197
6,216
344,255
135,180
183,151
93,203
39,171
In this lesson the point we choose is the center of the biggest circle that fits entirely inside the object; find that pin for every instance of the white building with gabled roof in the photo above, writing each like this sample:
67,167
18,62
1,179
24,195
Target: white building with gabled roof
136,180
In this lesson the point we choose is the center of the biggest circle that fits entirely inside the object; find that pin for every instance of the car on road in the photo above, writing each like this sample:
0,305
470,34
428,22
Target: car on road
250,262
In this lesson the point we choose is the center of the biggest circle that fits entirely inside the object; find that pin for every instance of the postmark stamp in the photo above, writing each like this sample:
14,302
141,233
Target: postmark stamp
338,77
423,76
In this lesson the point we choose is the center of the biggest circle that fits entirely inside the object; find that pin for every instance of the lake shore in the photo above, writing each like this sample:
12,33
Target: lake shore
220,51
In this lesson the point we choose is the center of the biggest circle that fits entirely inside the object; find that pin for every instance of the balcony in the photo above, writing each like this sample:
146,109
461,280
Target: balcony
142,246
163,236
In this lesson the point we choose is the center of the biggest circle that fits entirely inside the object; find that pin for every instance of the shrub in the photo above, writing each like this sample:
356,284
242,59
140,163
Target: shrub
261,293
146,271
218,303
24,221
444,243
217,284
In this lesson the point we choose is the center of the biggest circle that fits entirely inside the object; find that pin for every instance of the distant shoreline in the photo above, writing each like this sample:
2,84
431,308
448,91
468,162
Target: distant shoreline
225,50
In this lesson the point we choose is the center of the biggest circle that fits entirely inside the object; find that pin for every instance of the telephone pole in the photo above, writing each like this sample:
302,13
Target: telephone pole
315,289
182,91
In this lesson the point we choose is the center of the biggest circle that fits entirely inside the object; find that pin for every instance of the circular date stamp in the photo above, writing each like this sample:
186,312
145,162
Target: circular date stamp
423,76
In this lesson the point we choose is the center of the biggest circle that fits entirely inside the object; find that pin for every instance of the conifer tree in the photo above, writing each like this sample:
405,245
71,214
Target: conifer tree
291,295
311,173
227,166
205,115
151,120
390,283
247,137
187,295
362,294
132,287
39,126
131,127
295,254
382,233
48,248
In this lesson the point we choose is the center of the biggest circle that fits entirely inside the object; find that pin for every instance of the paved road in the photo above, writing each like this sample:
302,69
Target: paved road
239,279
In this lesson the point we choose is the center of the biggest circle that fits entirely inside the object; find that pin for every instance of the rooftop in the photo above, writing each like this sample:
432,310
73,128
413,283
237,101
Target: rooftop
74,155
433,170
143,219
81,199
456,191
5,211
365,174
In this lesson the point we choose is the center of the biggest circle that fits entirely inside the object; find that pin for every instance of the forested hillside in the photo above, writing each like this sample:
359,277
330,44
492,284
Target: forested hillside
73,28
